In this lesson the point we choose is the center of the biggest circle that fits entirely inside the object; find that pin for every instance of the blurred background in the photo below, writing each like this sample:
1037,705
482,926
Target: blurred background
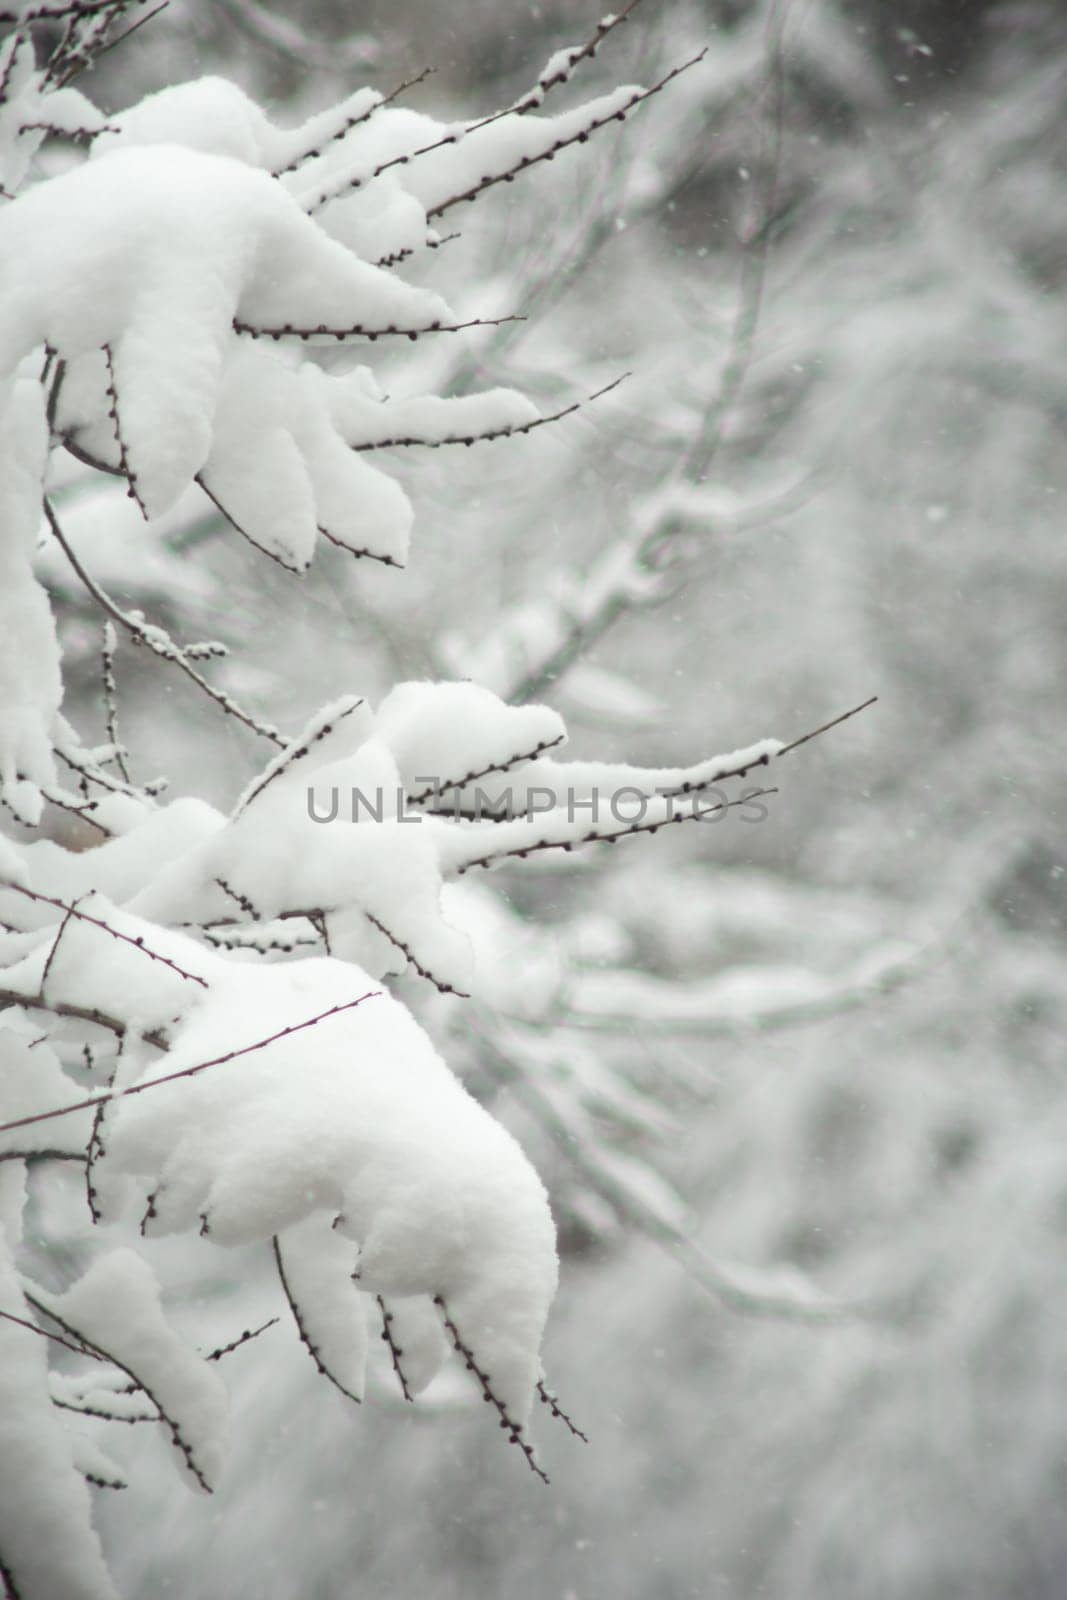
797,1086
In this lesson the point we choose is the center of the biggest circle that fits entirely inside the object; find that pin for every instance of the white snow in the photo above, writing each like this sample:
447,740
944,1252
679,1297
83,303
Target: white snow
443,733
357,1116
115,1307
153,252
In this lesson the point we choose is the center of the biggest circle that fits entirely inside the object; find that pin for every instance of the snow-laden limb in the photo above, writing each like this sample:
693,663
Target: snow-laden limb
601,788
30,109
154,253
482,844
369,877
47,1543
365,1122
282,471
114,1309
446,735
328,736
102,1394
115,869
372,423
316,1266
561,64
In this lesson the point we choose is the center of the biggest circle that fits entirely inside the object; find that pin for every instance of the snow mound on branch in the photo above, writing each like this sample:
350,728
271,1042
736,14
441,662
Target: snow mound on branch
216,117
446,733
281,468
115,868
369,421
153,253
358,1116
323,831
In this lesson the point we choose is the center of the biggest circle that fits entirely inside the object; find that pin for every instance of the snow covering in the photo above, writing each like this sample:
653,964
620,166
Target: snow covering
115,1309
359,1118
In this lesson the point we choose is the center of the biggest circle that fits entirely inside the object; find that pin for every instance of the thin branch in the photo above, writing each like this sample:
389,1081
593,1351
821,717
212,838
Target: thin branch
609,836
514,1429
826,726
510,762
490,179
90,1348
352,122
61,1008
397,256
242,1338
294,752
84,916
509,431
70,912
156,640
185,1072
395,1352
305,1337
111,696
409,955
549,1399
113,412
57,1338
562,73
358,331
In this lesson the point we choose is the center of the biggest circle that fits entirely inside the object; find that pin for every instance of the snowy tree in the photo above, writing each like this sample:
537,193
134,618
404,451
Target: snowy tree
196,1021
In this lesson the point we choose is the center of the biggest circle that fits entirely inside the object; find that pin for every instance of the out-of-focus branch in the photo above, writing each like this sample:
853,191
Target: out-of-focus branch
287,39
